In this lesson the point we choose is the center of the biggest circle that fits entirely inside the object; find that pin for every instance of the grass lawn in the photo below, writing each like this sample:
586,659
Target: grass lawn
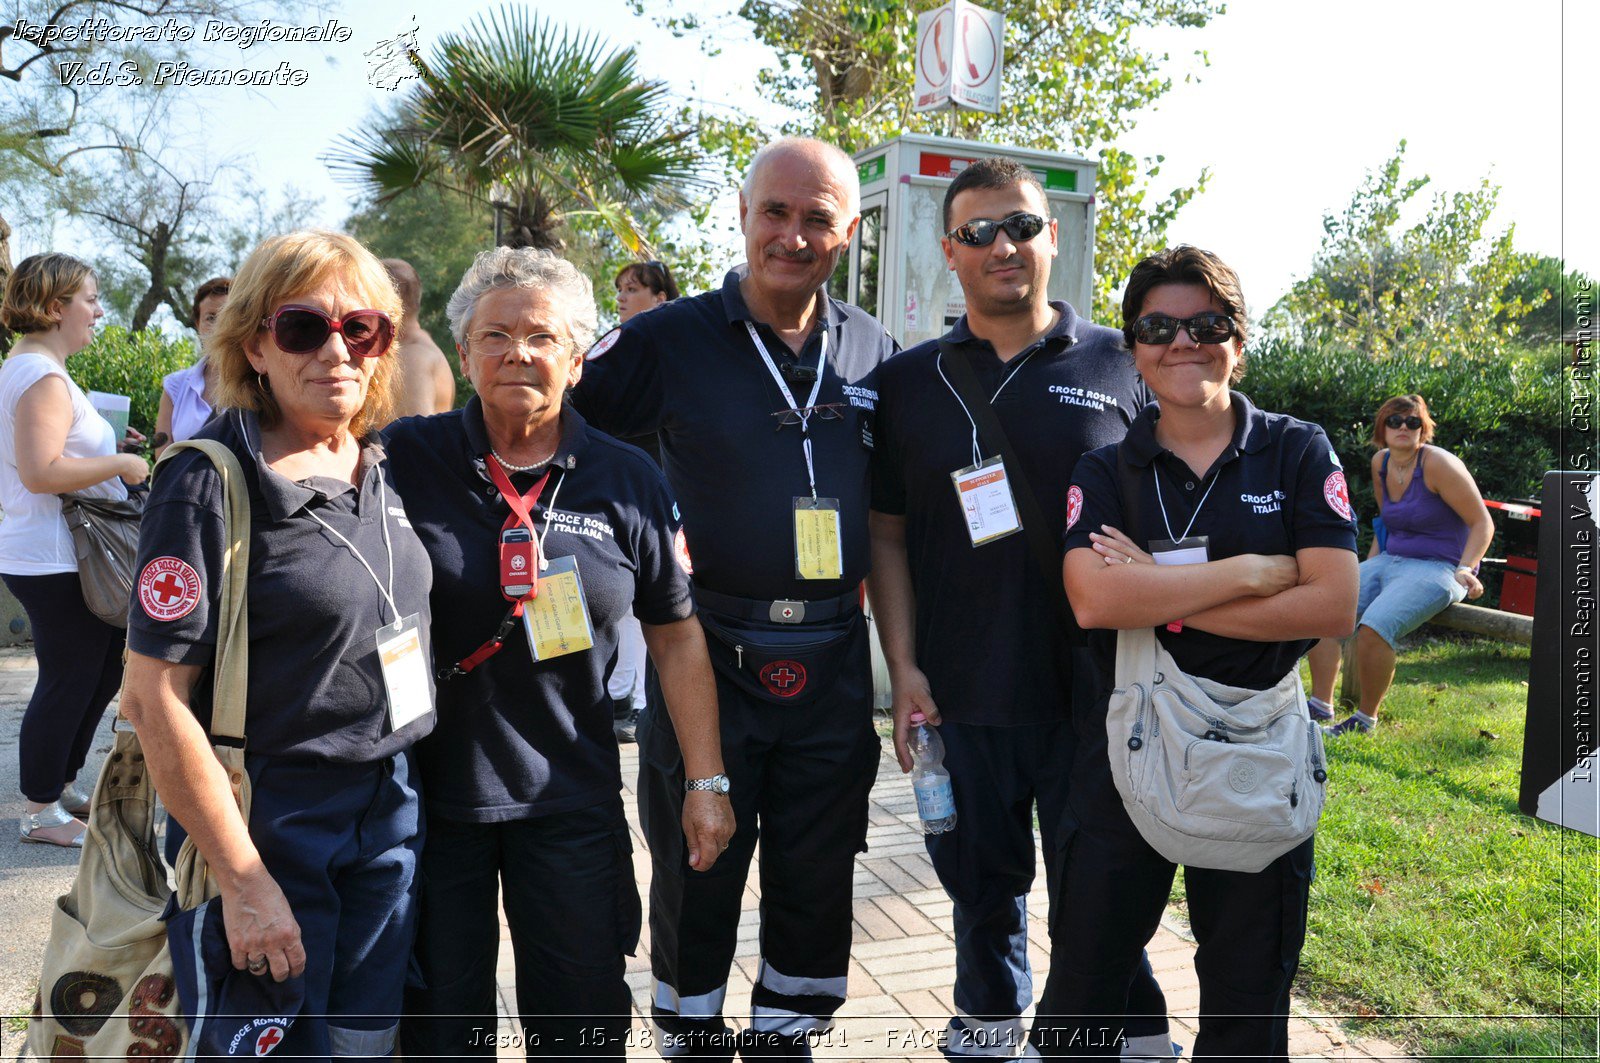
1441,916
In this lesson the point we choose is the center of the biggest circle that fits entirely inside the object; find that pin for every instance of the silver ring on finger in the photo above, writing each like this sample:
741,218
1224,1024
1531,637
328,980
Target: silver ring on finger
258,965
1127,560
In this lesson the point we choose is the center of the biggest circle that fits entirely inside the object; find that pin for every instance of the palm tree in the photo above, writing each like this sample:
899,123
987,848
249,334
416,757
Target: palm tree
541,124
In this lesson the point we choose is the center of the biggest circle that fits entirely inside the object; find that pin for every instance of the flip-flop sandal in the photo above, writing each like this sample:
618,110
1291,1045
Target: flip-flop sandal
50,816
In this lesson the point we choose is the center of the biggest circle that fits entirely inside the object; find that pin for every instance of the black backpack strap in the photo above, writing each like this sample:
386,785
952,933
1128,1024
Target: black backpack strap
1046,552
1128,488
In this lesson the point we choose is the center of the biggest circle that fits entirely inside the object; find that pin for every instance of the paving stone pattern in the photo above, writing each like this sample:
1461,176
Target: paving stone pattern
902,961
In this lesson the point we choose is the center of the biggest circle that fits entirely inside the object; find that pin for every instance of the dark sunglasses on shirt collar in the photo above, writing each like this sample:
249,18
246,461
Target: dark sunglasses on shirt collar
981,232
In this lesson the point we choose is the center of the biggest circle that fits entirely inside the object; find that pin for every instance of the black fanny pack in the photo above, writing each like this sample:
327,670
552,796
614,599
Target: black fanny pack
785,664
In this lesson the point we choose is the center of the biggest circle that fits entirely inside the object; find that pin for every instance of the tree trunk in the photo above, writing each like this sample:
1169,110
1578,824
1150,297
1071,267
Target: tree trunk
157,264
530,222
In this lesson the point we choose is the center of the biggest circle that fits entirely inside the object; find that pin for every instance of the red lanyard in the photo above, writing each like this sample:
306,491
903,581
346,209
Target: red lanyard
521,505
521,513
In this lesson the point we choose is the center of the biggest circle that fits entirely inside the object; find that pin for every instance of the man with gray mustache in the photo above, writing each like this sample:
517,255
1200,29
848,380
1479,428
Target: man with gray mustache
762,393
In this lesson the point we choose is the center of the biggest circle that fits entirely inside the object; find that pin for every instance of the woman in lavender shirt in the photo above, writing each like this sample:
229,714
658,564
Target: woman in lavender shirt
1438,531
186,394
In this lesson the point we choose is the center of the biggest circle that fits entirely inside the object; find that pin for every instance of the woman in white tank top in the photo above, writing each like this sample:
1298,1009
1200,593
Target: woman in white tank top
53,442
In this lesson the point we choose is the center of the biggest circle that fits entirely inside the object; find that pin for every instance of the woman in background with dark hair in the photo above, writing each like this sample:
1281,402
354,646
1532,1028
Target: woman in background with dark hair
1438,529
643,286
186,394
53,442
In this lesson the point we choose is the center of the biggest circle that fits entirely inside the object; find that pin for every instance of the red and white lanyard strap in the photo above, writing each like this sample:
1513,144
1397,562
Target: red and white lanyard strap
521,513
788,396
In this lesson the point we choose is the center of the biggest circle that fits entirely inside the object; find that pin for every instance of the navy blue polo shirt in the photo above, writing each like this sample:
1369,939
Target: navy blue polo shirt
518,739
689,370
1277,488
316,686
986,638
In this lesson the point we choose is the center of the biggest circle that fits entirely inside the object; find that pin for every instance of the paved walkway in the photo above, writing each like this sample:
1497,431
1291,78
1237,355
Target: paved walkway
901,970
903,961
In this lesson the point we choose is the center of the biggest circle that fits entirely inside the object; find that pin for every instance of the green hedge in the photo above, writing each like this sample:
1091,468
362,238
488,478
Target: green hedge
131,364
1502,417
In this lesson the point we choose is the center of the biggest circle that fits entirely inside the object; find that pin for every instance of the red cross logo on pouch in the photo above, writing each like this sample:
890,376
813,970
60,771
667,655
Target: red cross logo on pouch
168,589
268,1040
784,679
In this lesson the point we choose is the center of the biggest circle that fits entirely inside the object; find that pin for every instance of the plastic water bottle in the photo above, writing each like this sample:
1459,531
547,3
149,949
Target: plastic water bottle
936,802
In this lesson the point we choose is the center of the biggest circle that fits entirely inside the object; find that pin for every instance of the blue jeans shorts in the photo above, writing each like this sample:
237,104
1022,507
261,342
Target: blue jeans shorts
1400,594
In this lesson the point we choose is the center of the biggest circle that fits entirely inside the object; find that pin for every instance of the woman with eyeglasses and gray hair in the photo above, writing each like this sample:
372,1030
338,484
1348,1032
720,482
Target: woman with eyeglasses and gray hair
543,533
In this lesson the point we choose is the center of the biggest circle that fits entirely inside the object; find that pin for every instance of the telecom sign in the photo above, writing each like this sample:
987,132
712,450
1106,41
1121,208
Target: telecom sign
960,55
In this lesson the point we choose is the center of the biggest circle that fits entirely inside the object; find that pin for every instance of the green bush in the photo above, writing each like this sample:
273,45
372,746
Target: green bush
131,364
1501,417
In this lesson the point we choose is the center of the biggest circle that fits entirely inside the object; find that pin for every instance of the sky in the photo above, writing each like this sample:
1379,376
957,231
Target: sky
1300,100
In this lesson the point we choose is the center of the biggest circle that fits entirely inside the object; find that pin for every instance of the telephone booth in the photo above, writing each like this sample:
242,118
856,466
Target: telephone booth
896,270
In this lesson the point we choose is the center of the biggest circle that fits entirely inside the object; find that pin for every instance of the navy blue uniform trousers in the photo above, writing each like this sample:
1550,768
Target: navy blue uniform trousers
800,776
1113,889
573,910
986,866
341,841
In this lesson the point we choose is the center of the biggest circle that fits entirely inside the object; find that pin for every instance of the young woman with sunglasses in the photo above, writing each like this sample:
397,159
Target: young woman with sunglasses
1228,530
1437,531
319,882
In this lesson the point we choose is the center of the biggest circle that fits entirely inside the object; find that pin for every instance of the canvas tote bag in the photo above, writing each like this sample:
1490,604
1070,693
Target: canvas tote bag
1212,775
107,986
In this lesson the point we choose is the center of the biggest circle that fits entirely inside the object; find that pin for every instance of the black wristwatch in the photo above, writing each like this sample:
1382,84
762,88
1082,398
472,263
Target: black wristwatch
717,784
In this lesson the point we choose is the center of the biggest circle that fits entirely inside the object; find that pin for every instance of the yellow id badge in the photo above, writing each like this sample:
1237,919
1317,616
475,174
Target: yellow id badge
987,506
557,621
405,671
818,551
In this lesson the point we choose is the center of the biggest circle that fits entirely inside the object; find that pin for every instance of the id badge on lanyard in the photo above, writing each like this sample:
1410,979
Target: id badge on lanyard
818,549
405,671
400,656
986,501
1193,550
1182,549
556,620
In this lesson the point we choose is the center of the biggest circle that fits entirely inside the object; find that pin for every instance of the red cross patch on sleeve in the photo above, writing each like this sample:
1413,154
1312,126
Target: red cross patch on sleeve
1336,494
169,589
1074,505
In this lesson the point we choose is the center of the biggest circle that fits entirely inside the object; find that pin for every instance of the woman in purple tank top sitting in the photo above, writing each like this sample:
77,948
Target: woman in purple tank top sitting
1438,531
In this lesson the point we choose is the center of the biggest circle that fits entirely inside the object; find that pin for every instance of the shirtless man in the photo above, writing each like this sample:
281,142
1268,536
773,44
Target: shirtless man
426,384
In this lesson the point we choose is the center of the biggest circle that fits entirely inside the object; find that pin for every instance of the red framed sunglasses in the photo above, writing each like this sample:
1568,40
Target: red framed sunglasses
304,329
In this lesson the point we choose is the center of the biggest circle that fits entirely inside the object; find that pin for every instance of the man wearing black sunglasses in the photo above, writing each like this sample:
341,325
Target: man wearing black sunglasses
760,393
966,578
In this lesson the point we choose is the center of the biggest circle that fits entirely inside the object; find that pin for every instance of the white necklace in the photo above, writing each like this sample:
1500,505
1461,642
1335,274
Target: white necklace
506,465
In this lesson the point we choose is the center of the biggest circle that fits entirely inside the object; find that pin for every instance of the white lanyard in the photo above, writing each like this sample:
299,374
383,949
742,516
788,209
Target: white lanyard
1177,539
383,510
550,517
977,455
788,396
